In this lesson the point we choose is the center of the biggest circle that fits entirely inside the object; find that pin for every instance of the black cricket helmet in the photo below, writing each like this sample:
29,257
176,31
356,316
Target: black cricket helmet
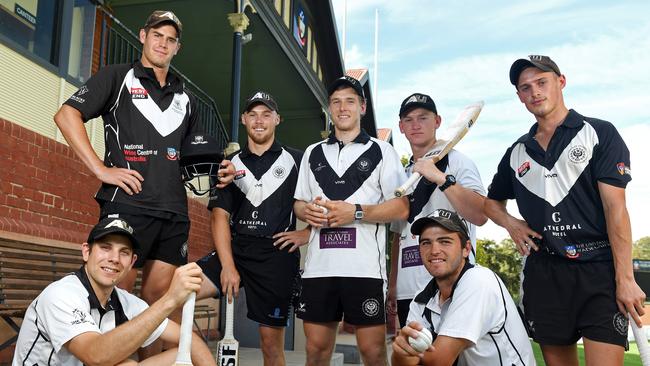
200,159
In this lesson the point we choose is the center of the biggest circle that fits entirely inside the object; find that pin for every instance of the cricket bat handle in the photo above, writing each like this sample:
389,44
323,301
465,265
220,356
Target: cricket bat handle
399,192
184,356
641,342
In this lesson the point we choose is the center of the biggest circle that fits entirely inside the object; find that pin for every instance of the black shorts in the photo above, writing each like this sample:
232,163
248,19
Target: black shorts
565,300
327,299
403,307
267,273
163,239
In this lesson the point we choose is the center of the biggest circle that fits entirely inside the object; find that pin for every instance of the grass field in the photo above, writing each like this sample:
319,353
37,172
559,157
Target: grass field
631,356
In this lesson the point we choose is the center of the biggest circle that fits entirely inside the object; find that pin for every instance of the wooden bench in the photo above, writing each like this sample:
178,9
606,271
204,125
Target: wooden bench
26,269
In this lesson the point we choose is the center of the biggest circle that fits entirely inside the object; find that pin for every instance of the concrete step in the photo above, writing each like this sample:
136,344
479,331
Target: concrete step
253,357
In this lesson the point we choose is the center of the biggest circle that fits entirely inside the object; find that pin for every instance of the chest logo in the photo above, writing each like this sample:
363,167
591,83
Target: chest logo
139,93
577,154
364,164
523,169
279,172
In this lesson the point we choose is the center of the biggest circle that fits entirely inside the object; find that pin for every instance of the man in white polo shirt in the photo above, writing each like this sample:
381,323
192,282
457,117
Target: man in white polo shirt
467,308
353,177
84,319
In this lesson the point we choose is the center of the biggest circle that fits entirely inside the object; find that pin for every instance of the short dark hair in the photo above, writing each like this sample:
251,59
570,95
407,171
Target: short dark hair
463,238
362,99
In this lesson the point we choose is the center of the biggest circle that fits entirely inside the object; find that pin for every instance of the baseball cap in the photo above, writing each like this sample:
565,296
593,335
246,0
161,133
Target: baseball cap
112,225
263,98
417,100
543,63
347,81
445,218
160,16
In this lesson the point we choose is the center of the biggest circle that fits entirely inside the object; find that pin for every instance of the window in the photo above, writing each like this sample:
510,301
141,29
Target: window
81,40
32,24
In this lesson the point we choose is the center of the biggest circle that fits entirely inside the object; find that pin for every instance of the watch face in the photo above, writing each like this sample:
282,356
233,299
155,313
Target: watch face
451,179
358,215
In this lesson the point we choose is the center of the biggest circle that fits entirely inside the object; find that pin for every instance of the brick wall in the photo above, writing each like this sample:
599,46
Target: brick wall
47,192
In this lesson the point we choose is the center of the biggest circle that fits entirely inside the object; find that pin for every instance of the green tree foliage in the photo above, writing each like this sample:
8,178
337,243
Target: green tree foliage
503,259
641,248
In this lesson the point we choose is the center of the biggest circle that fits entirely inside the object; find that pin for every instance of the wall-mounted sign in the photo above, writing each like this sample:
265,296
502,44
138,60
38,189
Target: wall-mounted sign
24,14
300,24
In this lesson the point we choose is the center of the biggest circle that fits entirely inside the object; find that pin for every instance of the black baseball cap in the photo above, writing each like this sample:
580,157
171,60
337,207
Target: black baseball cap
112,225
543,63
161,16
417,100
445,218
261,97
347,81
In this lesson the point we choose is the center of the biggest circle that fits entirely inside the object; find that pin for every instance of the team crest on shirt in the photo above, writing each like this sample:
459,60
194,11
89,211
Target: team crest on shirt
279,172
172,154
622,169
199,140
571,251
523,169
577,154
620,323
364,164
370,307
80,317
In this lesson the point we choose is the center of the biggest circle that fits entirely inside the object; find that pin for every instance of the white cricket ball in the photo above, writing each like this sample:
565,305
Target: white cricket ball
422,342
324,209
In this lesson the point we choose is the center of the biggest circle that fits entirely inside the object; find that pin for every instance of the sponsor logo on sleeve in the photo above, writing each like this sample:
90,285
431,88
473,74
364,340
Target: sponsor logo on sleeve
240,174
623,170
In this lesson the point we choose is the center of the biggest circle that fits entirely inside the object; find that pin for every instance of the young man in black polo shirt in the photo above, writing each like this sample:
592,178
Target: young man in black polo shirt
353,177
254,228
147,113
568,175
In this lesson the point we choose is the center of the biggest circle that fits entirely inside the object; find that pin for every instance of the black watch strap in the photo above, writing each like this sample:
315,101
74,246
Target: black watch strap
450,180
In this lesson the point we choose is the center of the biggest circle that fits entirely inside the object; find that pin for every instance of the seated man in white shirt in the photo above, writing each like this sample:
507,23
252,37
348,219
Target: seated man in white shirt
467,308
84,319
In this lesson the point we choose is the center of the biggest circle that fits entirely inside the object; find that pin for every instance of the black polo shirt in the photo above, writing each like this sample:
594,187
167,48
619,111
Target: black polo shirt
144,125
557,189
260,199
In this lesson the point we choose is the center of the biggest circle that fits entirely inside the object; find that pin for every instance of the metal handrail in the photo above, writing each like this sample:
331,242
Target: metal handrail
118,44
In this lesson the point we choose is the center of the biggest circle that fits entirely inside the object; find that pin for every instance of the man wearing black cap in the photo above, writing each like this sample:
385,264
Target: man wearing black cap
467,308
254,228
345,190
568,175
84,319
452,183
147,113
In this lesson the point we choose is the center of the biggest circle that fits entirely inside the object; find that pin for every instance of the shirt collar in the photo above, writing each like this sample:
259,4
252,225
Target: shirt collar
361,138
173,82
113,301
276,146
572,120
430,291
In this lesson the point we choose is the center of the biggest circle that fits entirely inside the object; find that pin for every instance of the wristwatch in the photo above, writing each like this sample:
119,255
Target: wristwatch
358,213
450,180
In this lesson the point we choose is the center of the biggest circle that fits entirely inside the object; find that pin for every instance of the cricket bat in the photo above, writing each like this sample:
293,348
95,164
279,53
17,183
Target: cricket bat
228,347
641,342
184,355
451,136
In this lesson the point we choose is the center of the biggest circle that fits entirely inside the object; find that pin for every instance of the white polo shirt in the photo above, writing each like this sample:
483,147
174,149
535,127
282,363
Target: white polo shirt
365,171
66,309
480,310
423,200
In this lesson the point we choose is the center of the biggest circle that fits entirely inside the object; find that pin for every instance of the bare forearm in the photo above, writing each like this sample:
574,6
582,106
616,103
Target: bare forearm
496,211
222,237
467,203
299,209
620,239
72,127
394,209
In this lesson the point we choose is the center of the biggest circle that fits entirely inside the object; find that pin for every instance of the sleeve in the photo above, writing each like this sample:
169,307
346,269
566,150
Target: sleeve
303,189
476,307
392,174
611,159
466,172
96,97
223,197
501,188
415,314
397,226
134,306
64,317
